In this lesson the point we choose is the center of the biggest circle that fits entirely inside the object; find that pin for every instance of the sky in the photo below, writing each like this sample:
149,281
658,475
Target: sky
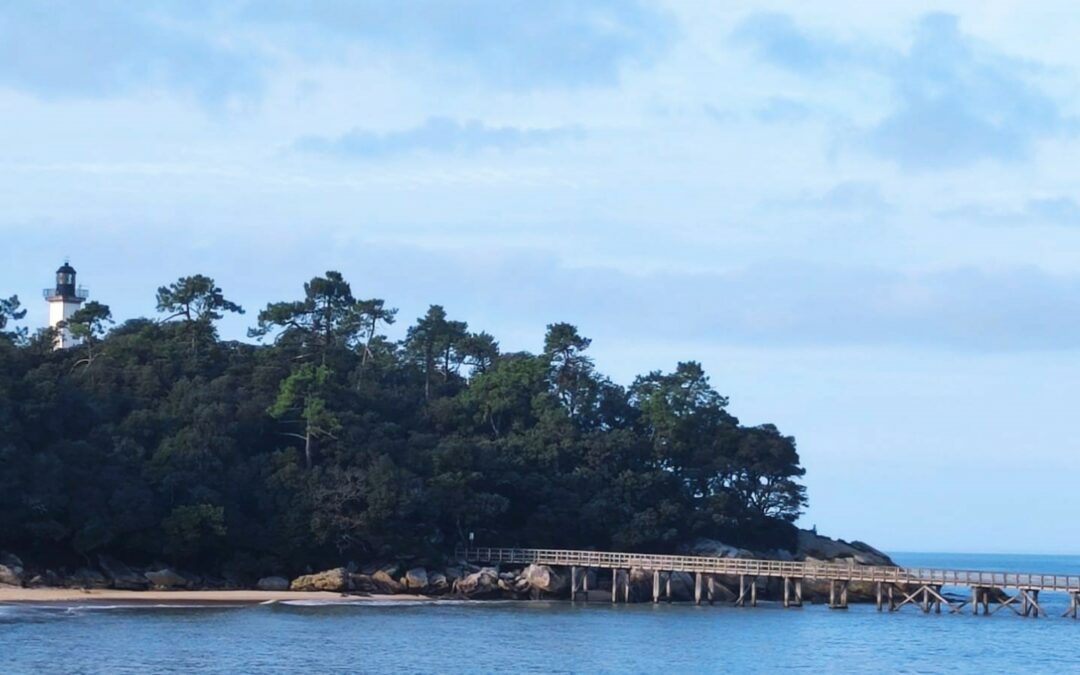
862,218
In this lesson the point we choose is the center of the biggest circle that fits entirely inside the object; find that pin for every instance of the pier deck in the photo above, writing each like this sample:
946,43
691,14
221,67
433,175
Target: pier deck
986,586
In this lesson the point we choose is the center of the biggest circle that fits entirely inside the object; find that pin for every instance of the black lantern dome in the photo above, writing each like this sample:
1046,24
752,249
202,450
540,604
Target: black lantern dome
65,286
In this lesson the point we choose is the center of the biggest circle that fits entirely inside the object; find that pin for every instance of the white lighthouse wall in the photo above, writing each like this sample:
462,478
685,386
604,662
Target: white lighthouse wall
60,310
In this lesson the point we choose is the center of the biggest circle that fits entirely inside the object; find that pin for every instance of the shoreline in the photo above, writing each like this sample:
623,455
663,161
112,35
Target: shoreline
13,595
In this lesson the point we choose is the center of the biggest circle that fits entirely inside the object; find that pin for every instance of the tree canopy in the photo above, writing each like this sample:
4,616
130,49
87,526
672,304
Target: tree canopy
333,442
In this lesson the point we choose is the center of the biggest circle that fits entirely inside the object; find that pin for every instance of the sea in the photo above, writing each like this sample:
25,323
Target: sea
545,637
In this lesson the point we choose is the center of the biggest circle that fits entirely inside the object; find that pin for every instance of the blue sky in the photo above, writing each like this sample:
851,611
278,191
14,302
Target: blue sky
862,218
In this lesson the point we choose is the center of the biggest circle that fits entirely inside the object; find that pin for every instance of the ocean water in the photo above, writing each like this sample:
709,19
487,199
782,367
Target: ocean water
543,637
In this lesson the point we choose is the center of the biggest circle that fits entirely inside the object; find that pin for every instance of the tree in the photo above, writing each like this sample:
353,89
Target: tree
303,393
571,372
9,311
328,316
479,351
373,313
194,298
433,343
88,324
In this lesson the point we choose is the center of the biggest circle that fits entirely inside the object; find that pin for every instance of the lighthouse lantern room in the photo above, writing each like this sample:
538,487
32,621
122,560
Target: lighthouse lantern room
64,300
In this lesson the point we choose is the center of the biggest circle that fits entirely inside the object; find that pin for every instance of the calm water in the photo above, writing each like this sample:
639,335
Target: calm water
543,637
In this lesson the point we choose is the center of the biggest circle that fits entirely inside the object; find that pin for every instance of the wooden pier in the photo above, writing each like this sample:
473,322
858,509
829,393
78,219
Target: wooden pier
894,587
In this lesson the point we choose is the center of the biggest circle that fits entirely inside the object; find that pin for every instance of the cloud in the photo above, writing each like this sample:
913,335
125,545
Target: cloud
515,44
438,135
218,50
783,110
858,199
94,49
1056,210
956,100
777,39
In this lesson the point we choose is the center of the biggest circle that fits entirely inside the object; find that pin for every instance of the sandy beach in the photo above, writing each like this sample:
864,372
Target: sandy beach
12,594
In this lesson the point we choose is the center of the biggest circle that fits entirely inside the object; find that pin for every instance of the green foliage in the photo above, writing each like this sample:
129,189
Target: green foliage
9,311
335,443
194,298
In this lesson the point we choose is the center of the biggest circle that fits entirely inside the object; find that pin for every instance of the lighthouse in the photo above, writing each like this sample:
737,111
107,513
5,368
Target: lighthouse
64,300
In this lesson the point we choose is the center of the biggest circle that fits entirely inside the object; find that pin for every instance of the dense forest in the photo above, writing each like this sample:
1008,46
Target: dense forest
321,441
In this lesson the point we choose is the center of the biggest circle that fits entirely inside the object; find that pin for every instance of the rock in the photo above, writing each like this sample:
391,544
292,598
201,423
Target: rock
682,586
478,584
453,574
335,580
543,578
84,577
47,579
415,579
813,546
13,561
716,549
272,584
9,577
438,583
121,576
384,583
166,579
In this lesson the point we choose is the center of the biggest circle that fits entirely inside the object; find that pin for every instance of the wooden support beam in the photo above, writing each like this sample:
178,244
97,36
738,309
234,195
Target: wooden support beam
843,595
585,585
697,588
573,583
892,601
656,586
626,588
787,592
614,586
798,592
712,588
832,593
753,592
975,600
667,587
741,601
925,600
879,595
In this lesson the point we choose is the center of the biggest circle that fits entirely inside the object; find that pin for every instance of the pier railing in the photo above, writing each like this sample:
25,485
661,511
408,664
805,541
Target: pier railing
774,568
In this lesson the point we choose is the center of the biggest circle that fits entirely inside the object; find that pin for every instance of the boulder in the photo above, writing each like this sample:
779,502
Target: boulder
437,583
682,586
335,580
84,577
9,577
716,549
415,579
384,583
813,546
121,576
544,579
13,561
478,584
47,579
453,574
166,579
272,584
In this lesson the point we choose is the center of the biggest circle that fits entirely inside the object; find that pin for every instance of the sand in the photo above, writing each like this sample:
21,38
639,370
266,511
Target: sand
12,594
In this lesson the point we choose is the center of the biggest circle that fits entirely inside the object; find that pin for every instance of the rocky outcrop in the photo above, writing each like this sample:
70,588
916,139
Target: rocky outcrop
544,579
437,583
484,583
121,576
167,579
84,577
813,546
384,583
716,549
9,576
415,579
335,580
273,584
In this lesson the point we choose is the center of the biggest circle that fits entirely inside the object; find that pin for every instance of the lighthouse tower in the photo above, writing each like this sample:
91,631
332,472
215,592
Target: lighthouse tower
64,300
